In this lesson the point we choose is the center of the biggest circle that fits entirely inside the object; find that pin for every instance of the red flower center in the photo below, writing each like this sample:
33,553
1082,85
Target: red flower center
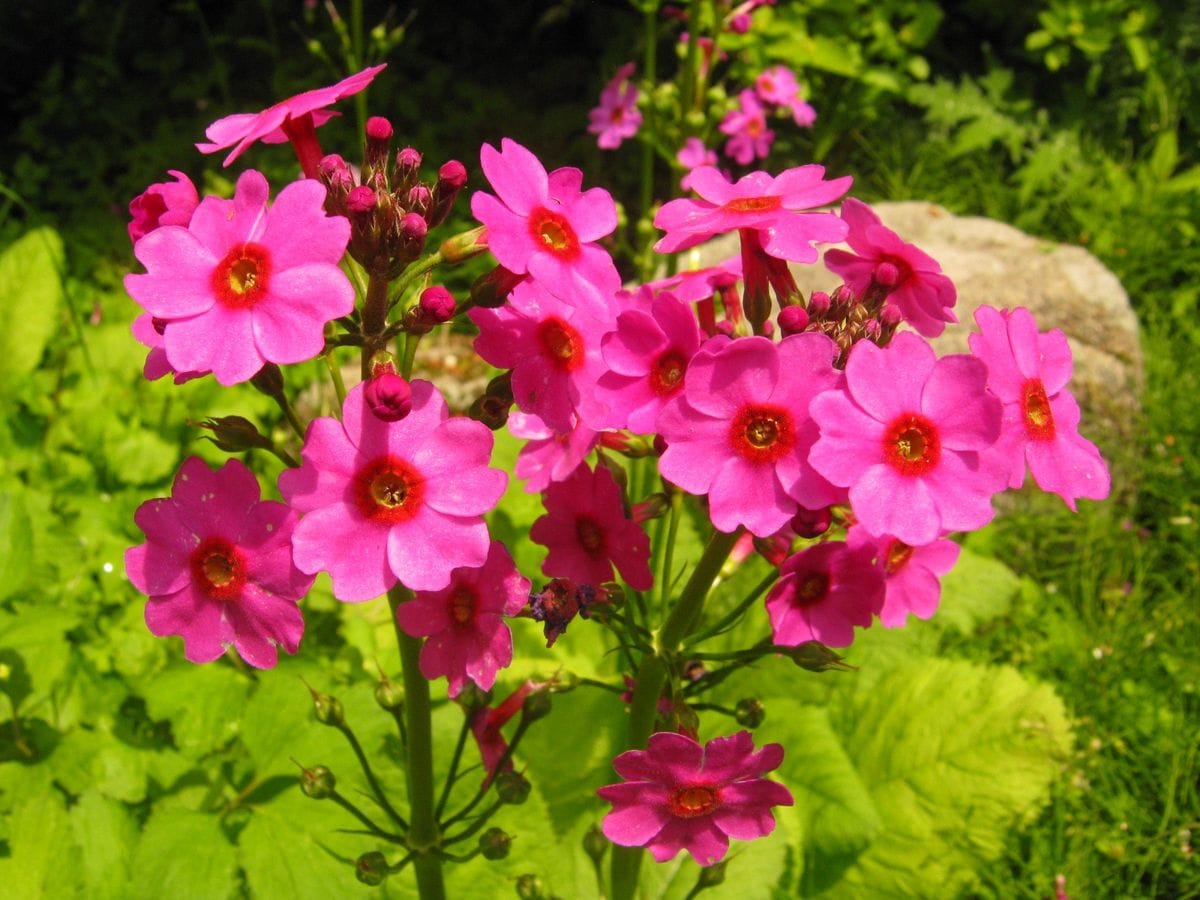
462,604
897,557
617,115
693,800
666,375
1035,409
240,279
218,569
553,233
561,344
752,204
911,444
388,490
762,433
813,588
755,127
590,536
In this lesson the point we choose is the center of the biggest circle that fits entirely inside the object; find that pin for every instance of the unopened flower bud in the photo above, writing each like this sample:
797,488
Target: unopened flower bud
328,709
412,236
816,657
408,170
452,176
491,289
501,387
473,697
811,523
389,396
818,304
887,274
512,787
492,411
361,202
529,887
595,844
371,868
652,507
749,712
711,876
436,304
317,782
536,705
494,844
891,315
872,329
418,200
389,695
268,380
792,320
774,549
379,134
463,246
235,434
739,23
726,328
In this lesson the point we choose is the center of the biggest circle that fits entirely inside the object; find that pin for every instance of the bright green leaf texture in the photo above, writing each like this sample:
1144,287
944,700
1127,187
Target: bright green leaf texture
31,292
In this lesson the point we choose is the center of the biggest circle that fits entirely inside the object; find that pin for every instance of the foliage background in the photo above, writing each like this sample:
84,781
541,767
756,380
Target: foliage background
1044,723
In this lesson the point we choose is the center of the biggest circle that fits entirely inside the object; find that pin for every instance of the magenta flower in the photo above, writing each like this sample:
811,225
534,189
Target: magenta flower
392,501
802,113
678,795
647,356
546,226
1028,371
244,284
487,724
463,624
692,154
771,207
217,566
553,349
295,119
148,332
750,138
549,455
587,532
823,593
911,573
167,203
741,434
777,86
697,284
617,117
913,281
906,436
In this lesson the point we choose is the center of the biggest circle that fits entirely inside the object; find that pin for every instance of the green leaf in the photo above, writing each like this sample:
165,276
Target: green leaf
39,840
31,291
105,833
140,457
183,854
204,703
16,540
979,589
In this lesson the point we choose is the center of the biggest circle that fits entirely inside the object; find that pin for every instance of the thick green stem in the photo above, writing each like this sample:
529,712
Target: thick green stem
424,839
652,675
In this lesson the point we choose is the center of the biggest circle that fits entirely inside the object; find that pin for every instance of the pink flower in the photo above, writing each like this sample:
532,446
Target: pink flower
647,356
777,86
822,593
463,624
678,795
546,226
1028,371
750,138
905,437
802,113
294,119
771,207
693,153
740,431
549,455
697,284
911,574
217,566
168,203
587,532
392,501
912,280
148,332
244,284
553,349
486,725
617,117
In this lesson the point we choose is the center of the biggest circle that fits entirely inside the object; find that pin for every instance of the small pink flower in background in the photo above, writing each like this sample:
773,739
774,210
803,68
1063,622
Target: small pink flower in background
750,138
617,117
679,795
823,593
740,431
802,113
905,437
463,624
549,455
553,349
1028,371
546,225
392,501
246,284
167,203
149,333
647,356
777,86
911,573
217,566
294,119
771,207
692,154
588,534
697,284
914,280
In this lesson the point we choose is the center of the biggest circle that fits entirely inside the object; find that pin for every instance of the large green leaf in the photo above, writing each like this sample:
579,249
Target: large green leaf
16,540
184,854
204,704
977,590
38,839
105,833
31,292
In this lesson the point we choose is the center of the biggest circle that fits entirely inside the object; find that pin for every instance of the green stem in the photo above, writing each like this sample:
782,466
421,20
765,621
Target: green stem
736,612
335,375
376,787
424,838
362,817
416,270
290,414
687,610
452,773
